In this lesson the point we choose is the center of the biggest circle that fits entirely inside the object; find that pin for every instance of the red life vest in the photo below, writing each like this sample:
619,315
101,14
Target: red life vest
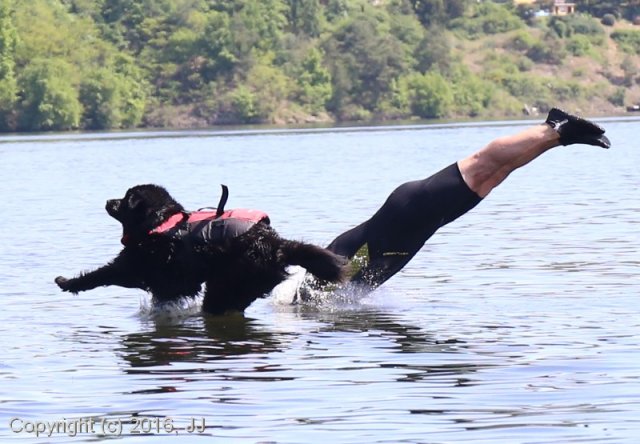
253,216
208,225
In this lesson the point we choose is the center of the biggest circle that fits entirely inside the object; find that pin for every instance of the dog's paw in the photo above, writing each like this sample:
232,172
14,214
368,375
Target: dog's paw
63,283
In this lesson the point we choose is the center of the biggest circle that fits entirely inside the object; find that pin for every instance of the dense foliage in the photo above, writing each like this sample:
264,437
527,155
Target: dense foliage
97,64
629,9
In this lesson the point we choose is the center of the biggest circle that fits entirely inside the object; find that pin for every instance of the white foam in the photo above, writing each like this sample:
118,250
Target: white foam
170,312
344,297
285,292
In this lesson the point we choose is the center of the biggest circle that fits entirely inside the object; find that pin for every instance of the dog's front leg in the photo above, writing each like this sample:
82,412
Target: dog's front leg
117,272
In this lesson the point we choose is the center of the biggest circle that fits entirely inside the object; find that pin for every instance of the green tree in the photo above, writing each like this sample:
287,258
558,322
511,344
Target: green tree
551,51
628,40
243,105
305,17
100,94
434,51
471,94
124,18
258,97
608,20
270,86
46,29
8,84
618,97
456,8
599,8
113,97
50,100
578,45
522,41
132,24
630,69
87,8
432,12
488,18
314,82
336,10
258,25
578,24
216,45
405,26
431,95
363,64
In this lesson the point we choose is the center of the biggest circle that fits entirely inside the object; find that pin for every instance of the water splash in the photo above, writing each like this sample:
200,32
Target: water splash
169,313
302,291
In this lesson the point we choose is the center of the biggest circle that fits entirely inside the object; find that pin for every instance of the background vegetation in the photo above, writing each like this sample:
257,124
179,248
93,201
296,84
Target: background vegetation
100,64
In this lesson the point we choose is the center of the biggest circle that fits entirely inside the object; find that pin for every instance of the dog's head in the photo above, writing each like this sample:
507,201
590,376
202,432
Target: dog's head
142,209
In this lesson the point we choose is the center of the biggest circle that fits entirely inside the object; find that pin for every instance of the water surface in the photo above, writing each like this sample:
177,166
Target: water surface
517,323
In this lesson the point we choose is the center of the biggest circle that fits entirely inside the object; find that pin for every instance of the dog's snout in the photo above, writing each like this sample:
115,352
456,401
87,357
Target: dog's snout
112,206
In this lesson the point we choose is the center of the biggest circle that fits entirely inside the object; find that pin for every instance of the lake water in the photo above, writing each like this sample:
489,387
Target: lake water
518,323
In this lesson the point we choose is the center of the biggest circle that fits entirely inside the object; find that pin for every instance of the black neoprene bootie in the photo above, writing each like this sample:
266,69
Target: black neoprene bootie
574,129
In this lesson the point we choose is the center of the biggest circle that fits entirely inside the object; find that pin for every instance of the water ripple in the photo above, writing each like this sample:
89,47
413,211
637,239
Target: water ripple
516,323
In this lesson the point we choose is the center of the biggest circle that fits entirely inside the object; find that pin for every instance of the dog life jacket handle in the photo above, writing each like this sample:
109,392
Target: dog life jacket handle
223,201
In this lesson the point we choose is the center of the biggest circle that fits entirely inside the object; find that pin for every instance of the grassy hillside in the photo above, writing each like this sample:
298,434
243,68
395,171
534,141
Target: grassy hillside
105,64
607,78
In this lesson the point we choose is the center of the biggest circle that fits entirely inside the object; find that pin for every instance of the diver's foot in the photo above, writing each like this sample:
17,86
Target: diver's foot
574,129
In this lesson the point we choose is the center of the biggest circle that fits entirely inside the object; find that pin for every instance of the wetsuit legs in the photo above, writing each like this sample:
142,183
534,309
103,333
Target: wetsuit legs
382,245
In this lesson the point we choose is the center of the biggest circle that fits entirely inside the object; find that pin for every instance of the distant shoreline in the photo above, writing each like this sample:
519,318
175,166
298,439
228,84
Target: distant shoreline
266,129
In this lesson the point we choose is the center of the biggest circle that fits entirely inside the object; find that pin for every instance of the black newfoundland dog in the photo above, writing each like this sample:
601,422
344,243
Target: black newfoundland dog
171,252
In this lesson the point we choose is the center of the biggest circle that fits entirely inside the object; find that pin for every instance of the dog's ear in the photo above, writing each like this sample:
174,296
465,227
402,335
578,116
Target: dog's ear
134,201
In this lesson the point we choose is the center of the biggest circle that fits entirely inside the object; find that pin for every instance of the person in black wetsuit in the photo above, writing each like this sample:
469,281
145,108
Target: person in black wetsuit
384,244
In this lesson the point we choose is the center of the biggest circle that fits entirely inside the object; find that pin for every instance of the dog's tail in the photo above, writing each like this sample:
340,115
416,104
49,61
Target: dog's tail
320,262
